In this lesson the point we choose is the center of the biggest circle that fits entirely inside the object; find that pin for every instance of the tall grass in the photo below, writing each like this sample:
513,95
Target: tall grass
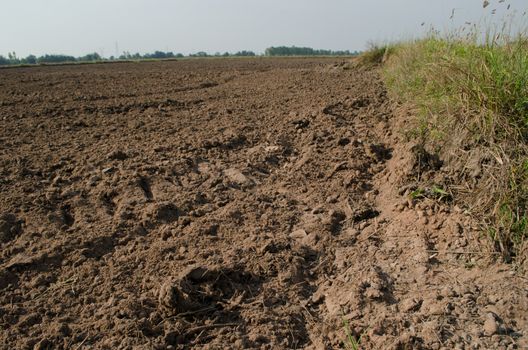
471,94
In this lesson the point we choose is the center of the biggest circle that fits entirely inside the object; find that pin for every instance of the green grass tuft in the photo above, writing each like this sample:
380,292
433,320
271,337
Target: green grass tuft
376,55
351,343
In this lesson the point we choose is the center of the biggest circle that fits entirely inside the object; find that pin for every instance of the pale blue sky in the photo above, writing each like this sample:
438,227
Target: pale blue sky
77,27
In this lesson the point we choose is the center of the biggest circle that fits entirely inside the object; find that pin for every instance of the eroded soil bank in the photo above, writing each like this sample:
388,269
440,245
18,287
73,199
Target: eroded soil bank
230,204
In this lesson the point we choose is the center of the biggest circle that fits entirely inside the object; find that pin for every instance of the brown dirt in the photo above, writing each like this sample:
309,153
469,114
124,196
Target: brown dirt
240,204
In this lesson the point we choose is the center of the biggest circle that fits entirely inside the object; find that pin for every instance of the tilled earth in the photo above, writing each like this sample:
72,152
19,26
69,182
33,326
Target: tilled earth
231,204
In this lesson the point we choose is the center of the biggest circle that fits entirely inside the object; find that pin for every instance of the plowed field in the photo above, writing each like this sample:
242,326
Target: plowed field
231,204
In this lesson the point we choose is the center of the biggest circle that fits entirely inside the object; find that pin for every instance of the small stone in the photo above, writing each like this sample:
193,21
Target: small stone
311,240
108,170
462,290
436,309
318,297
447,292
491,325
236,177
350,233
271,149
298,234
239,344
410,305
332,199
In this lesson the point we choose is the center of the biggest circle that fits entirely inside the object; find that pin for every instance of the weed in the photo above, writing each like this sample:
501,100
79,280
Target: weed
351,343
417,194
434,192
376,55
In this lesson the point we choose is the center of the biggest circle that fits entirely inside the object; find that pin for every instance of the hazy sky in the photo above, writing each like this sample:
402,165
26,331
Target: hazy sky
77,27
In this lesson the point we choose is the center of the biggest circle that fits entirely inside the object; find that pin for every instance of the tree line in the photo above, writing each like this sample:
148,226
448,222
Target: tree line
305,51
13,59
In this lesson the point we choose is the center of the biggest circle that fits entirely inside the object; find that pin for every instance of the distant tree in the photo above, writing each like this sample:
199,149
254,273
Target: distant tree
4,61
245,53
157,55
125,56
302,51
56,59
200,54
160,54
31,59
91,57
13,58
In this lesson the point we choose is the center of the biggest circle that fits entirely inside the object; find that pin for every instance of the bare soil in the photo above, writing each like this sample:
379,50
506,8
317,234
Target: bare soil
231,204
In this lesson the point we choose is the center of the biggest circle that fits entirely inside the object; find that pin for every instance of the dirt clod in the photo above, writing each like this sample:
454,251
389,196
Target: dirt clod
117,155
491,326
10,227
172,299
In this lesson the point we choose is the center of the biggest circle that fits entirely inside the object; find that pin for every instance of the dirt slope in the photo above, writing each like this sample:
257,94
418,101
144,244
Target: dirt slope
230,204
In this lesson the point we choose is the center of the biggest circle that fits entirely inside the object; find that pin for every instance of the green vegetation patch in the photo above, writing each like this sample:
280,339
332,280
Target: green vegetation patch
471,99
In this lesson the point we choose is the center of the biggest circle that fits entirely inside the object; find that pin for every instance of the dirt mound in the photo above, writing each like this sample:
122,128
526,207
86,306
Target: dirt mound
245,204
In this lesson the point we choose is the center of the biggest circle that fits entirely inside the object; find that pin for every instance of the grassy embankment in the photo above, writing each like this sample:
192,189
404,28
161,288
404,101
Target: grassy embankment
469,102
